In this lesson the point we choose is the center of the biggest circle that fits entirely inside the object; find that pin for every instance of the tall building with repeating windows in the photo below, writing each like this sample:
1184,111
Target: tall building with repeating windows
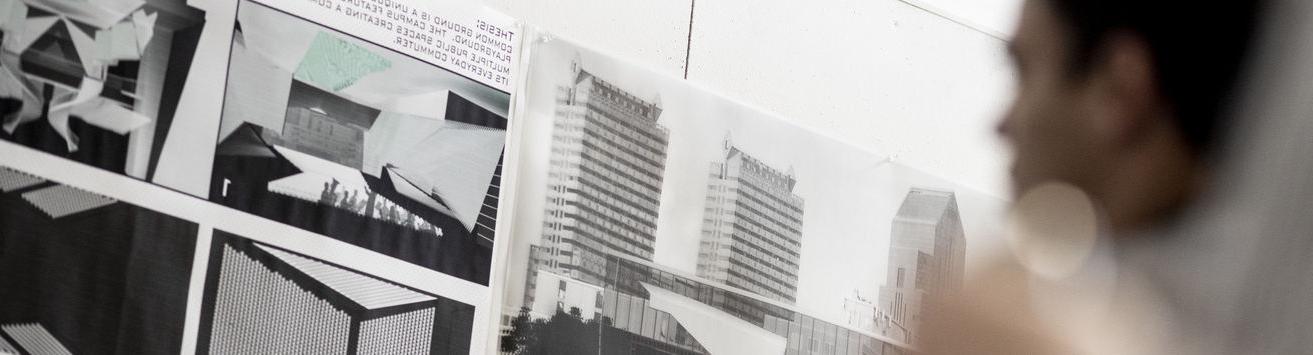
927,255
604,189
752,227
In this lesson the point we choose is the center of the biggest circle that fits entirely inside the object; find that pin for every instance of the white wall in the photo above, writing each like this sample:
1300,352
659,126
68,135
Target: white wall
882,74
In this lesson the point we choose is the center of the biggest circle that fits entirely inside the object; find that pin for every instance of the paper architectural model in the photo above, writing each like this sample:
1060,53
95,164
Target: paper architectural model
267,300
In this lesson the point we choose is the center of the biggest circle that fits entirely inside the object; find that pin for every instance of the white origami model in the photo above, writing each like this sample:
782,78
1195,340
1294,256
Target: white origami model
124,39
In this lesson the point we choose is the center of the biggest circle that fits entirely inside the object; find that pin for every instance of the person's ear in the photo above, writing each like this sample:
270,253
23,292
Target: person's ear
1125,96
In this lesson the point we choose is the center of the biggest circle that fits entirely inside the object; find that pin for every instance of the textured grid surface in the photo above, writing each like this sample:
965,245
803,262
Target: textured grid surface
61,200
366,291
258,311
7,348
11,180
406,333
335,64
34,339
452,333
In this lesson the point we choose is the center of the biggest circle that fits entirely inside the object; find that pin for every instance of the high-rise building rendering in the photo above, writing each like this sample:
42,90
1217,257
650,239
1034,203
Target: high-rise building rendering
752,227
604,180
927,254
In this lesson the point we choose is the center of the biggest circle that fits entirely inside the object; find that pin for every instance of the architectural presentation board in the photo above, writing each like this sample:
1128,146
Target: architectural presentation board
96,84
653,216
110,271
341,136
352,177
261,299
322,168
379,124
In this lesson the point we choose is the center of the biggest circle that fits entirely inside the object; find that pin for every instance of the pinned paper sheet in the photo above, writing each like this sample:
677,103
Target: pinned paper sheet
107,114
33,28
145,28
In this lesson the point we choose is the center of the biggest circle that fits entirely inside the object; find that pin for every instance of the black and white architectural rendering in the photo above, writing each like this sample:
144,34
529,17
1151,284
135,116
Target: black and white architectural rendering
927,255
95,83
752,229
605,173
671,220
262,299
643,308
346,138
85,273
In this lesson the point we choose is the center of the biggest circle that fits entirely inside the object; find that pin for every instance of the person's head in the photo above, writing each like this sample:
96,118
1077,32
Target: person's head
1123,98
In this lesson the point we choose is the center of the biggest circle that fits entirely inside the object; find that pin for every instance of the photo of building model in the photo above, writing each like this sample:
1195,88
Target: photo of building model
95,83
81,271
262,299
346,138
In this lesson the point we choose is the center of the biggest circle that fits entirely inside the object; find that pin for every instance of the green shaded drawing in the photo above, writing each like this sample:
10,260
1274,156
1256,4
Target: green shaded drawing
335,64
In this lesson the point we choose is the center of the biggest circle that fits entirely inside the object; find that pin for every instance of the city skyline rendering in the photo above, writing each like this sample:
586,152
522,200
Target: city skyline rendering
851,195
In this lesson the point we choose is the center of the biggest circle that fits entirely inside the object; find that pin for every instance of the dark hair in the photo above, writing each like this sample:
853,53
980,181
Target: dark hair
1198,50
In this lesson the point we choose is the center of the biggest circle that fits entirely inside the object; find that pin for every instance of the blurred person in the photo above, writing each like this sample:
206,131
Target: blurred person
1117,119
1123,99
